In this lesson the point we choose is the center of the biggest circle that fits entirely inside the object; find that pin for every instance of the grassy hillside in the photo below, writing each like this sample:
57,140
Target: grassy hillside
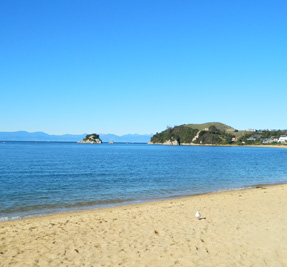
214,136
220,126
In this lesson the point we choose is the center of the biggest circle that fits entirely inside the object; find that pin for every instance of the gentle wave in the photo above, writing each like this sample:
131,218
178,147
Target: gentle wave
51,178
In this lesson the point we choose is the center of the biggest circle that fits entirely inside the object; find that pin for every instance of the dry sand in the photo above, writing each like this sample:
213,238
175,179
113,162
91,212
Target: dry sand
238,228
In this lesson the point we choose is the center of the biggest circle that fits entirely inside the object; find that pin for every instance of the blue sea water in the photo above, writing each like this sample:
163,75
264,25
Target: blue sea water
42,178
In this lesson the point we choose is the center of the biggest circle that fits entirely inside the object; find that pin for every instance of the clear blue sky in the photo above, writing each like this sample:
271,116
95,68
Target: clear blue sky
137,66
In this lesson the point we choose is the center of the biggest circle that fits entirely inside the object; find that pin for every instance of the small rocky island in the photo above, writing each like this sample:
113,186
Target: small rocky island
91,139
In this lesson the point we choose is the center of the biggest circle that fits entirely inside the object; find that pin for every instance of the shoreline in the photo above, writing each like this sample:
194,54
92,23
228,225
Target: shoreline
220,145
238,228
267,146
112,204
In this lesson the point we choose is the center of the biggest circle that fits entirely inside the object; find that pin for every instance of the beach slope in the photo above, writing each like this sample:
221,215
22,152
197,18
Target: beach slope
237,228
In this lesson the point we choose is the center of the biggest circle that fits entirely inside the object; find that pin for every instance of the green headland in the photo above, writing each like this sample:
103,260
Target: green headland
216,133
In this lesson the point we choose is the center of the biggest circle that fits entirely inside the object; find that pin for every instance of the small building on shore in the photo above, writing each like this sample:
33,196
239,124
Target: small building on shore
282,139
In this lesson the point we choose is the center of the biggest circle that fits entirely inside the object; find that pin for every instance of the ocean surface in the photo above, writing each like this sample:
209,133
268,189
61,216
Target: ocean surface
43,178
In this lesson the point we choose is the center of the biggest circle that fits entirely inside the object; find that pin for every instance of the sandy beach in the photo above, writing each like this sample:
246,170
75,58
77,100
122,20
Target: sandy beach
237,228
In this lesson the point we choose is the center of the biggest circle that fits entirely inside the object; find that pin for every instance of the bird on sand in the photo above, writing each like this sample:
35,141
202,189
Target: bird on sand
197,215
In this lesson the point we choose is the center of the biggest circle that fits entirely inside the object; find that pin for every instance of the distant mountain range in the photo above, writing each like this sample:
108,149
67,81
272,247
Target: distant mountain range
136,138
41,136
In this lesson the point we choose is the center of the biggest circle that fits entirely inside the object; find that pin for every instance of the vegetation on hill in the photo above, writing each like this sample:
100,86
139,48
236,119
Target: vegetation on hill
214,136
185,134
220,126
182,134
214,133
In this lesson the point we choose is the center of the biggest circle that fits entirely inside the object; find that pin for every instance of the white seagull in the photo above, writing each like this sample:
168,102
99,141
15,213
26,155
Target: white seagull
197,215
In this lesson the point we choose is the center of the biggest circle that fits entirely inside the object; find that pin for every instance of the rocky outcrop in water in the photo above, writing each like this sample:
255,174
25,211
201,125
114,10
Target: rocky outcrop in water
92,139
167,142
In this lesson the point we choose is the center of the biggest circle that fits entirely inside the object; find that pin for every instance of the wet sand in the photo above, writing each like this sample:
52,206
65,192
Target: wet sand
237,228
